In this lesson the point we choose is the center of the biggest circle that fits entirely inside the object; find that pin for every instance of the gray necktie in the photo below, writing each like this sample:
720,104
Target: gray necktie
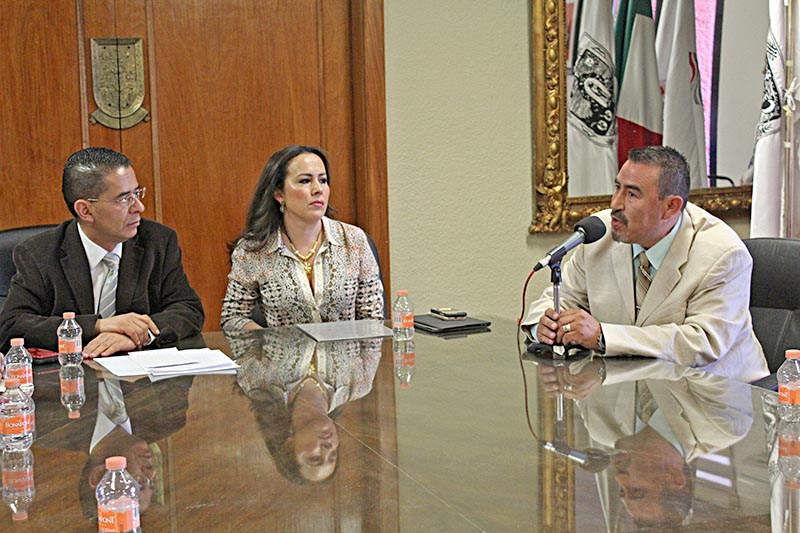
643,279
108,294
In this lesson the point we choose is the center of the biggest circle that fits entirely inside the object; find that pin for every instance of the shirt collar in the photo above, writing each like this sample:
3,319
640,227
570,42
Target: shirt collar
94,252
657,252
331,237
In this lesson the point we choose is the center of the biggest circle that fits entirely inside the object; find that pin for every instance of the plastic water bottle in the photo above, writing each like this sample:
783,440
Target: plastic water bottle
789,387
70,345
404,362
17,417
117,499
18,485
402,317
19,365
72,389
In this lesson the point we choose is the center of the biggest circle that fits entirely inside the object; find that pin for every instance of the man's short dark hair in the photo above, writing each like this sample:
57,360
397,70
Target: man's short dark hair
84,171
674,177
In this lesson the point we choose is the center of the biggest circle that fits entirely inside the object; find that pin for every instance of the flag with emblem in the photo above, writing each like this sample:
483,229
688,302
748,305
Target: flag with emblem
591,105
774,197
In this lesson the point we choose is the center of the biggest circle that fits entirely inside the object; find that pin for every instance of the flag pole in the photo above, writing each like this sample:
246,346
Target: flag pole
788,144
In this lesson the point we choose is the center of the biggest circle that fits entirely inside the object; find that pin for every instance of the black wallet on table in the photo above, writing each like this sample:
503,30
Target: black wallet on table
432,324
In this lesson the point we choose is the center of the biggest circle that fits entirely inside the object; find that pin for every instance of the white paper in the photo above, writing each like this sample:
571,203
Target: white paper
169,362
120,365
345,330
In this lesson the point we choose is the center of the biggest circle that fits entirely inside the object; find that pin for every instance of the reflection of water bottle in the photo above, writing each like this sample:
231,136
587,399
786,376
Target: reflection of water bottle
17,417
404,362
19,364
402,317
117,499
72,392
789,387
70,345
18,486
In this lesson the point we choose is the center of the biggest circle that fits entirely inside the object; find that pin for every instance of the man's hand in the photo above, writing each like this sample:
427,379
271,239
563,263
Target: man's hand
547,328
562,380
108,343
132,325
578,327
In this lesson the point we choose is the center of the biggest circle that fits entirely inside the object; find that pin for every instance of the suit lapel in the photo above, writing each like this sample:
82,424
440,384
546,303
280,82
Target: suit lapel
670,272
622,260
76,269
128,270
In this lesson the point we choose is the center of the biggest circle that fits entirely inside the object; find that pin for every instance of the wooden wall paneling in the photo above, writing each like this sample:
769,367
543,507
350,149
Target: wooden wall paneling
369,109
236,81
39,108
336,104
107,19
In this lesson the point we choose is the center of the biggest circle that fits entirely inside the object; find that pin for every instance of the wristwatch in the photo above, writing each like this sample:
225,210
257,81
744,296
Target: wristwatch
601,342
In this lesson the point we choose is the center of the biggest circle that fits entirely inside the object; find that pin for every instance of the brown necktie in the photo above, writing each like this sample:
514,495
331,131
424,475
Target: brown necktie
645,403
643,279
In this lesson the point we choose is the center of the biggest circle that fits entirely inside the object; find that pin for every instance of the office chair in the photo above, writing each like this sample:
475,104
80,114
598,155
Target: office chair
775,299
9,238
258,318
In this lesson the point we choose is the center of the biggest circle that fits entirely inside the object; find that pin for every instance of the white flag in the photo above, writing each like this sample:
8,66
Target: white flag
771,206
592,122
679,76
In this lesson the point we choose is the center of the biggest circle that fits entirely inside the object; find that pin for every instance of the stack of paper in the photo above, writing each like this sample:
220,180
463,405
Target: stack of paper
169,363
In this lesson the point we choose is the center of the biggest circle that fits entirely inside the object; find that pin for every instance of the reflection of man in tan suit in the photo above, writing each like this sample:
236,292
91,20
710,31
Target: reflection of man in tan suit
695,308
693,413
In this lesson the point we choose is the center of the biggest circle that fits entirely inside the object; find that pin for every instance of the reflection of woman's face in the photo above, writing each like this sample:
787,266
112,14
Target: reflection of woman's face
316,446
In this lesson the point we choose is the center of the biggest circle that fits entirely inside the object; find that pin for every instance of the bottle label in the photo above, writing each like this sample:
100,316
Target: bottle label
405,320
17,425
788,396
18,479
409,359
788,446
24,373
71,386
70,345
110,521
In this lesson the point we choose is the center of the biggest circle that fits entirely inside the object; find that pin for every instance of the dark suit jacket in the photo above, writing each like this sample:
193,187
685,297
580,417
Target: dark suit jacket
53,277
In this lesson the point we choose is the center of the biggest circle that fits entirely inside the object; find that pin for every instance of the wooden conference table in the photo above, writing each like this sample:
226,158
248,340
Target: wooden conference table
451,452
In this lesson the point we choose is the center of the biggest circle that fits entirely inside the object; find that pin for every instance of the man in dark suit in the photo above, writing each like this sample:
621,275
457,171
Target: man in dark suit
121,274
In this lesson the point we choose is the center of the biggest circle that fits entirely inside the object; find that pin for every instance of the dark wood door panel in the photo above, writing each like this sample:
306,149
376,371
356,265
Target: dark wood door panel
39,108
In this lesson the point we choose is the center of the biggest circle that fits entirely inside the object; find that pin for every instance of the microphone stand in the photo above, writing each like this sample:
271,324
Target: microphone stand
558,351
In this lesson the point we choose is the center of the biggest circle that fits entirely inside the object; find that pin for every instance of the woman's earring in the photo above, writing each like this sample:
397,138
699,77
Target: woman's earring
282,208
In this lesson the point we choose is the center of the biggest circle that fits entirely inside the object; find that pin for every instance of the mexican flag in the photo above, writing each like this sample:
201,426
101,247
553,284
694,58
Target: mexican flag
640,106
679,76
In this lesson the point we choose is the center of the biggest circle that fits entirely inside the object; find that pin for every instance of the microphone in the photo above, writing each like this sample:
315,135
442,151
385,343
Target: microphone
588,230
591,460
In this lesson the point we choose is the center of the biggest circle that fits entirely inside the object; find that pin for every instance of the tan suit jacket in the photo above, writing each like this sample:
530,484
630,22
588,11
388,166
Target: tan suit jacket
696,312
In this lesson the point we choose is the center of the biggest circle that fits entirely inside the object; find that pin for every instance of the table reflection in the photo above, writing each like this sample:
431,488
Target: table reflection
652,419
297,388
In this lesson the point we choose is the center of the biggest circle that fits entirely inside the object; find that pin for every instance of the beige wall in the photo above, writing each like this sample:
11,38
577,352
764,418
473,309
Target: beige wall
459,154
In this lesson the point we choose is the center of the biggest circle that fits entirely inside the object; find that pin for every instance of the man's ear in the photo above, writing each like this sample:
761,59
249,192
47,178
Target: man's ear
84,210
675,475
673,207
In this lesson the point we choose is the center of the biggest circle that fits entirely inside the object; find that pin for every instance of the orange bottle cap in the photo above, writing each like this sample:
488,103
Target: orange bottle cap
17,342
116,462
792,354
68,314
402,293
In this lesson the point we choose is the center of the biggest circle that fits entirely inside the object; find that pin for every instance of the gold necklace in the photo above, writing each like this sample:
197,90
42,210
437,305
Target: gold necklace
308,265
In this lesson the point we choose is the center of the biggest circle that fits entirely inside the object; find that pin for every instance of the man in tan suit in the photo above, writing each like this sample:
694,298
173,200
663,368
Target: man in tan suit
690,306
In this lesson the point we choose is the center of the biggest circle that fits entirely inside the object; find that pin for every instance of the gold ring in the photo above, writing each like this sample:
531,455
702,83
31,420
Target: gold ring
567,328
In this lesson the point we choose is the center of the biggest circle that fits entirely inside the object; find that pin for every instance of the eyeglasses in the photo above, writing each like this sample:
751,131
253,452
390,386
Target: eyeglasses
126,201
